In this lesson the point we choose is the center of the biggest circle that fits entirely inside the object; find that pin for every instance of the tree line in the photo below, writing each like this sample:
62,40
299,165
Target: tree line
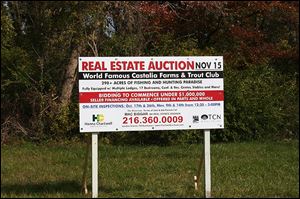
41,42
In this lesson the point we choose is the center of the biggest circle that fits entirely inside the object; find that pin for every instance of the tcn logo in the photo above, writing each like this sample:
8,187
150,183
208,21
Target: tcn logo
98,118
211,117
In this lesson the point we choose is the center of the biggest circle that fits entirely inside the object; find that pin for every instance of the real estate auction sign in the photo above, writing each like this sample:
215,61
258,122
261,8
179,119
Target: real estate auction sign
150,93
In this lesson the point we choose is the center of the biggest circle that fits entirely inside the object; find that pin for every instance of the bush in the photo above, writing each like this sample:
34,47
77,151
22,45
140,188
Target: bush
260,103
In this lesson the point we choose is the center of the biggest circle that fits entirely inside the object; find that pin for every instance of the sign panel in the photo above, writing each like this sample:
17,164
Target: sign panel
150,93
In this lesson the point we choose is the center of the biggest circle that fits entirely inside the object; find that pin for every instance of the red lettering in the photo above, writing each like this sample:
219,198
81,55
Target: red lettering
84,65
88,66
98,66
112,65
151,66
91,65
130,66
127,65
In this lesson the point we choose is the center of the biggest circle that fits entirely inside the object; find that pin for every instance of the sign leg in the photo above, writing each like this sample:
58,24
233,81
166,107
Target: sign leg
199,172
85,166
94,165
207,163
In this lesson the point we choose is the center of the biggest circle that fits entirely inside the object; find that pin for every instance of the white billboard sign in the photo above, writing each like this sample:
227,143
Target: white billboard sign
150,93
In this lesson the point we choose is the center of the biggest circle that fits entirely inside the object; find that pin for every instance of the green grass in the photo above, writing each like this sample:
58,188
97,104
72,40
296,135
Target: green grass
238,170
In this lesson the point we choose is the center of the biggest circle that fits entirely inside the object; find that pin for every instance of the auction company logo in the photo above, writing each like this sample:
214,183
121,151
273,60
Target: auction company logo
98,118
204,117
210,117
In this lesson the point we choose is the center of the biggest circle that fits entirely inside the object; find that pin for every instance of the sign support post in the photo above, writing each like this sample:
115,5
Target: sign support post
207,163
95,165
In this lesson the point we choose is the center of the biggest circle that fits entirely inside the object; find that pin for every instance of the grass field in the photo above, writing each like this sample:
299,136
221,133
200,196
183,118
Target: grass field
238,170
